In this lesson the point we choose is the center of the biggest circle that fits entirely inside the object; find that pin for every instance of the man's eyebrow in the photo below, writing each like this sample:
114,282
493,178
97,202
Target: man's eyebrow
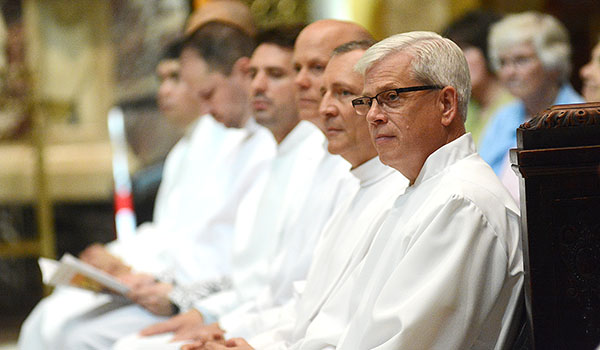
380,88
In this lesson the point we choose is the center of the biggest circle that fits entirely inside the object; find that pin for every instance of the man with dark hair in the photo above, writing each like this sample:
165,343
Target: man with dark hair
176,105
278,41
174,99
470,33
211,68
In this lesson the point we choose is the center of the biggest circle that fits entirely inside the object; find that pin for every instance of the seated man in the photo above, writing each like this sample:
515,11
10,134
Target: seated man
174,106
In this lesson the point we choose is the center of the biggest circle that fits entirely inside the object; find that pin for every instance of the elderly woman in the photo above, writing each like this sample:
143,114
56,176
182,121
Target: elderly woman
531,54
590,75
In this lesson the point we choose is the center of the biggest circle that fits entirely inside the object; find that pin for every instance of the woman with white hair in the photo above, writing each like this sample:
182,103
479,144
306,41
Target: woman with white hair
531,54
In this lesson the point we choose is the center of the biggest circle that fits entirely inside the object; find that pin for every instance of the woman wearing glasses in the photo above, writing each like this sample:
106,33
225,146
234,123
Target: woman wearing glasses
531,54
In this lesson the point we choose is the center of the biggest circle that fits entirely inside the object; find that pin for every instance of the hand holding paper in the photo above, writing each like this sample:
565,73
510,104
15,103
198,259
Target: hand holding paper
76,273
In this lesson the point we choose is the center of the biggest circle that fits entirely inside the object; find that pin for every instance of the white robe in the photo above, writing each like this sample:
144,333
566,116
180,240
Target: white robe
341,248
208,160
445,271
256,245
331,187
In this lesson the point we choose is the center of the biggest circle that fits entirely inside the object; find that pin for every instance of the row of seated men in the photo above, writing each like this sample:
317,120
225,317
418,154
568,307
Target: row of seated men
325,195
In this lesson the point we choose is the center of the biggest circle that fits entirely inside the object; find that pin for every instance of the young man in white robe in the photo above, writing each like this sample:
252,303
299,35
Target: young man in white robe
445,269
206,174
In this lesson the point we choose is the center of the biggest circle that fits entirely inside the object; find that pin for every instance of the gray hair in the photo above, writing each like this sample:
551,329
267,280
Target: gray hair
436,61
549,37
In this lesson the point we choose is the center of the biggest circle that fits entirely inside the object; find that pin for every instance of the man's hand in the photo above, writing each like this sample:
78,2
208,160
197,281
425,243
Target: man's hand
231,344
150,294
176,324
98,256
135,280
211,332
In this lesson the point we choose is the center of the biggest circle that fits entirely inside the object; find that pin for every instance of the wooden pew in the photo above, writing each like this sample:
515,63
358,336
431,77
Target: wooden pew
557,160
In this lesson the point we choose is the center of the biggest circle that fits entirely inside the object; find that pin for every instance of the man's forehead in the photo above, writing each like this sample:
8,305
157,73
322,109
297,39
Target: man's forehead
323,36
306,52
267,52
340,69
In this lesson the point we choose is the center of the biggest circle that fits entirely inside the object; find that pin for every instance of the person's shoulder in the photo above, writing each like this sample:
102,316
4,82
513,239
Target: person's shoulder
511,108
473,180
567,94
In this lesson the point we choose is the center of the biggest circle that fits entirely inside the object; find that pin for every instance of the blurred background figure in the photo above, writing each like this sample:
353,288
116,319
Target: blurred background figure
531,54
470,32
177,106
590,76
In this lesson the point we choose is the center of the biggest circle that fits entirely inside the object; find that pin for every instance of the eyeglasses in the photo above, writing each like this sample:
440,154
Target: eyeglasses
388,98
517,61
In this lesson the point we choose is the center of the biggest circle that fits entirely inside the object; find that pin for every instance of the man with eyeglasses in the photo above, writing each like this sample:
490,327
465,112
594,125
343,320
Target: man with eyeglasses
445,269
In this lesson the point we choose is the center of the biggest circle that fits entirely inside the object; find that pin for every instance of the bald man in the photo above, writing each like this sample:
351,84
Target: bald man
311,53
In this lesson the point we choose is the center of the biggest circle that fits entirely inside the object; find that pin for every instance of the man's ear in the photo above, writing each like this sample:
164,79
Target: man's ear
241,66
448,104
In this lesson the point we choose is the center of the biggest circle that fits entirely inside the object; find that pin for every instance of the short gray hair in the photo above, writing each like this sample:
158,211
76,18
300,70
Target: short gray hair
436,61
549,37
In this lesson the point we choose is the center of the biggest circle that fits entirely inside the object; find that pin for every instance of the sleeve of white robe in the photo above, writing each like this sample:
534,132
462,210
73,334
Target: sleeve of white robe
451,273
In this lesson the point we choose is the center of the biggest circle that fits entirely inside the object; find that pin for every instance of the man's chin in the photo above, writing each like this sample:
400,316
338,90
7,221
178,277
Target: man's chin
262,118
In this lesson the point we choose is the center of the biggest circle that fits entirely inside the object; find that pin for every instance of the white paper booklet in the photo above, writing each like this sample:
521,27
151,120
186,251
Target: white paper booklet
73,272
